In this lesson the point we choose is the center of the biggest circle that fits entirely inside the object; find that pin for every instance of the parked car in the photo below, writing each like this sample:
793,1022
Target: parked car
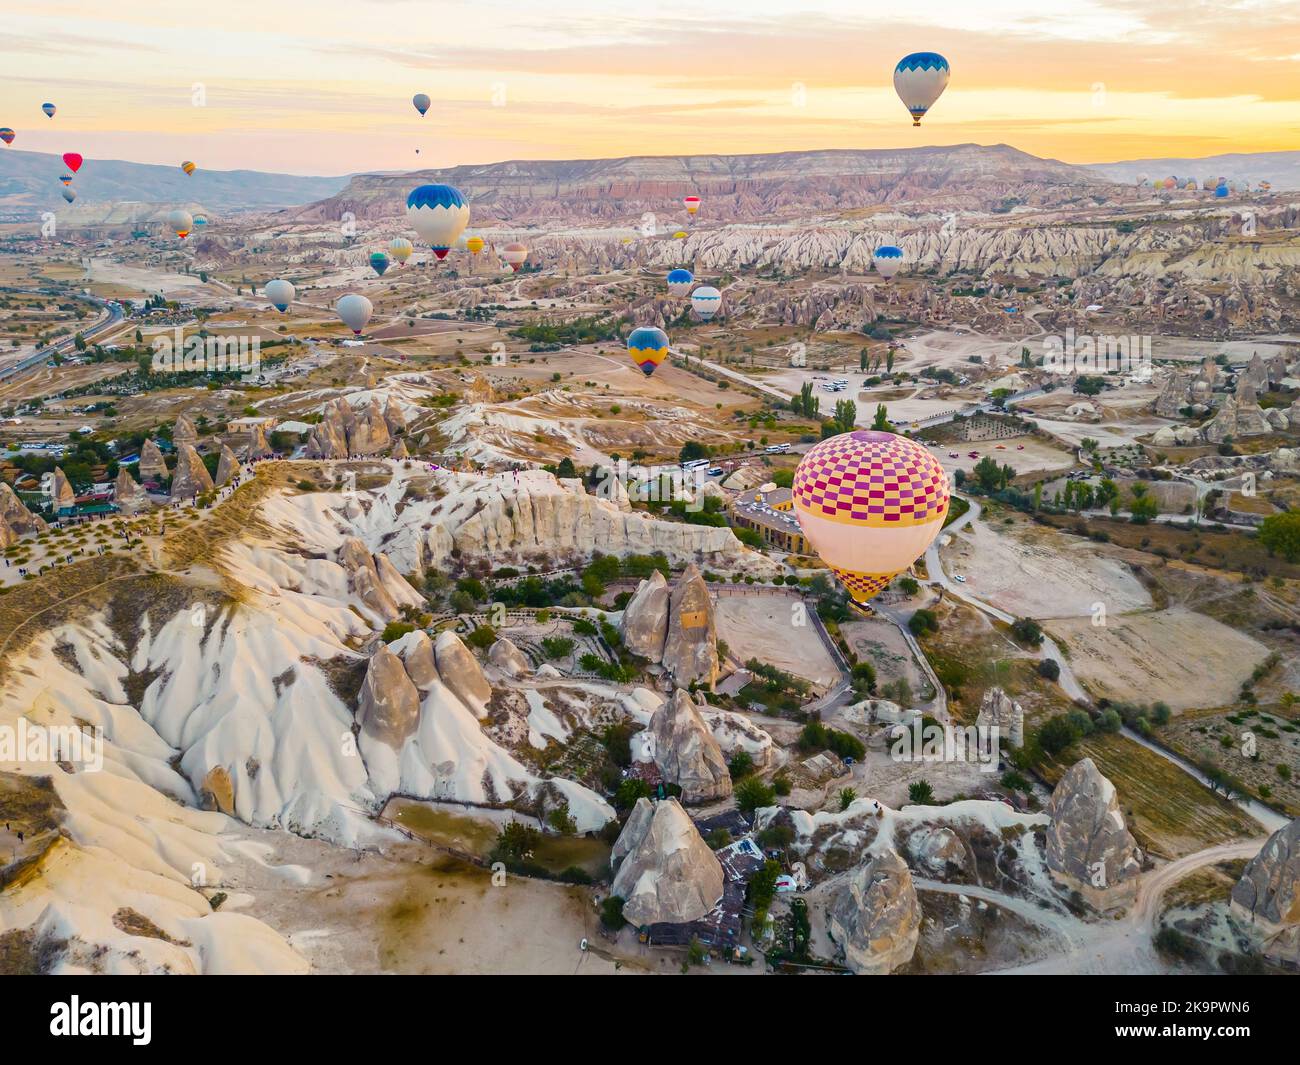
959,578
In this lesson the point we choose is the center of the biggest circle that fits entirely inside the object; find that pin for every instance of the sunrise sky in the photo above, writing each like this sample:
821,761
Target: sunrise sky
324,87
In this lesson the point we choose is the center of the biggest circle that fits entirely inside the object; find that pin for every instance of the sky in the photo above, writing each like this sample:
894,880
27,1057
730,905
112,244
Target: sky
324,86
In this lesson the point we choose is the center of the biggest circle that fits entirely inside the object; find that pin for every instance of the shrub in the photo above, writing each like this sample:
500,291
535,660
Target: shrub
395,630
752,793
483,637
921,793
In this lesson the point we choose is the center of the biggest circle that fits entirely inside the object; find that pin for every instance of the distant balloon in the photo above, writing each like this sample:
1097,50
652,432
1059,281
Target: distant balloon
188,167
919,80
7,135
680,282
1221,191
692,204
681,234
378,262
49,110
69,193
400,249
354,311
648,347
706,301
474,245
181,221
72,161
421,102
870,503
1143,178
200,220
514,255
888,260
279,294
66,179
439,214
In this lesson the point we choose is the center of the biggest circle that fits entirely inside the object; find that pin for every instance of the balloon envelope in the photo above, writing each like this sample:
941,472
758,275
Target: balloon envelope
514,255
870,503
888,260
69,194
680,282
279,294
706,301
188,167
439,214
692,204
49,109
72,161
474,245
354,311
421,102
181,221
400,249
378,262
66,179
648,347
919,80
7,135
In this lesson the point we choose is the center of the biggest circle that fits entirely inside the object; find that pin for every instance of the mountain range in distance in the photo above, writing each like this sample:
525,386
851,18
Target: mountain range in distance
29,181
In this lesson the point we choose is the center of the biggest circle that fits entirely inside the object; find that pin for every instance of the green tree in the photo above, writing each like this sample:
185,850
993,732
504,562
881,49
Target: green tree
1280,534
881,420
921,793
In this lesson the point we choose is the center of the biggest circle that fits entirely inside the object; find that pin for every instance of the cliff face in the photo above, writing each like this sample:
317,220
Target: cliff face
732,186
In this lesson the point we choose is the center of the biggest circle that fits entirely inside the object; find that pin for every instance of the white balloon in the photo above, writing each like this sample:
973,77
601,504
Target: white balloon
706,301
280,294
354,310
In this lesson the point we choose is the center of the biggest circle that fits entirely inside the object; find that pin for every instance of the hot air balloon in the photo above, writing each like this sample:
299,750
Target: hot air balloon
49,110
888,259
439,214
1171,182
870,503
1221,191
280,294
400,249
706,301
1143,179
181,221
69,193
354,311
680,282
514,255
648,347
692,204
188,167
421,102
919,80
72,161
474,245
681,234
200,220
1265,186
7,135
378,262
66,179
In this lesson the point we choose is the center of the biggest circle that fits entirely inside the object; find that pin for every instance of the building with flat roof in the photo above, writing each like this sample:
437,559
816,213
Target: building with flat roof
771,514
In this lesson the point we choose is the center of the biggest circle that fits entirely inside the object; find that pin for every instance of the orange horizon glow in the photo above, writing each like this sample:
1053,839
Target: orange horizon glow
325,88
